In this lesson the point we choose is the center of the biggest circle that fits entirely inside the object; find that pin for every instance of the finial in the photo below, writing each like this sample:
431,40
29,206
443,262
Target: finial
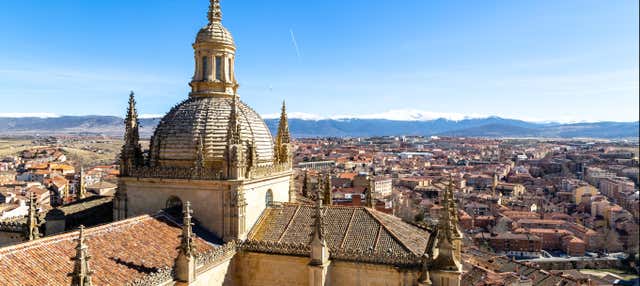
215,13
318,223
427,259
81,275
319,249
453,208
131,110
185,263
305,184
187,246
199,163
33,231
82,193
328,196
494,184
233,133
369,194
281,151
131,154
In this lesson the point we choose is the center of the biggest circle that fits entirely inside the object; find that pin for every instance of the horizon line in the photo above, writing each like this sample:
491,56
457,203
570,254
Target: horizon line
419,116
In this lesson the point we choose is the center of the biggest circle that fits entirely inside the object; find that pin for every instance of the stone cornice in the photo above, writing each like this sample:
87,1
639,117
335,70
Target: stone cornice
214,256
189,173
349,255
161,277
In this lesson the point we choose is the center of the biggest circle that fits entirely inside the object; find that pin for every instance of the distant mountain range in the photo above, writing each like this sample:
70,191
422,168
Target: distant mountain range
469,127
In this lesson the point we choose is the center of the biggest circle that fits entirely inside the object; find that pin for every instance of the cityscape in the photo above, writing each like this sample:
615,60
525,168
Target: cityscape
214,192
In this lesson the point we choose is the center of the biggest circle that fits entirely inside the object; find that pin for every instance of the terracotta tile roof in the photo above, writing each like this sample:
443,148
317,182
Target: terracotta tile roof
102,185
84,204
54,166
121,253
347,228
349,176
486,264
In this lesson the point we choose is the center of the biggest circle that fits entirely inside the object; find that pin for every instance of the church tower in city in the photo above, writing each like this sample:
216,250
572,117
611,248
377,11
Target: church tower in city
211,149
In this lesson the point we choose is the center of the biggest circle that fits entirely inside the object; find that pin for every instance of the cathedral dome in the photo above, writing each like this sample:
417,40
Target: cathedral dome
215,33
177,138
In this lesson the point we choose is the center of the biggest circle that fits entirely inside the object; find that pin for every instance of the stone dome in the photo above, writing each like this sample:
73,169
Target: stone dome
176,137
215,33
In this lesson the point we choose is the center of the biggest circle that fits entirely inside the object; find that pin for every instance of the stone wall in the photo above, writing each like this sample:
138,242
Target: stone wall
8,238
220,274
256,193
208,198
257,269
347,273
148,196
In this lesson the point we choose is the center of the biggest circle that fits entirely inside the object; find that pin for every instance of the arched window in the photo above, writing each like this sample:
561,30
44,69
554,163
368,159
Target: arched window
205,68
218,68
229,78
174,206
268,199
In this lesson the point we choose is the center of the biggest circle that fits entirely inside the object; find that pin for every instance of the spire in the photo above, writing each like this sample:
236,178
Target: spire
199,162
252,156
283,127
236,151
215,13
187,246
305,184
494,184
131,154
427,260
448,235
446,220
327,190
131,121
233,134
82,191
185,266
33,231
453,208
369,194
318,223
319,248
283,138
81,275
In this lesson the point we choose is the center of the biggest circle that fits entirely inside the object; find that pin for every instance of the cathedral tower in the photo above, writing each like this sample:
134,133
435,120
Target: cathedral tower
211,149
215,53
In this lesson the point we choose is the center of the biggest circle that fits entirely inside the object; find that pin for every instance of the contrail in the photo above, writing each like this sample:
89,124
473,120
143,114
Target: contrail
295,43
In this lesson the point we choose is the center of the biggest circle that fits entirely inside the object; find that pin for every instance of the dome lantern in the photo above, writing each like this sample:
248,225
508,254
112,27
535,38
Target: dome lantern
214,51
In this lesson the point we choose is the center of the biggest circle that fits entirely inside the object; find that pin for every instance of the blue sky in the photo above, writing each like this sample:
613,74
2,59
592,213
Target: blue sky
570,60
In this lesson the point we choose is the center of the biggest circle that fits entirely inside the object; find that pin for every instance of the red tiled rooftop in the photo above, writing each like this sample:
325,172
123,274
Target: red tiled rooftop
121,252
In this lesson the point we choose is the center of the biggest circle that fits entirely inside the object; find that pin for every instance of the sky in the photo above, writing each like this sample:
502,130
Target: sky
536,60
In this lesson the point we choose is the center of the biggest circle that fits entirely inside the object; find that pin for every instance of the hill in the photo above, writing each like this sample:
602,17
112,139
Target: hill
95,125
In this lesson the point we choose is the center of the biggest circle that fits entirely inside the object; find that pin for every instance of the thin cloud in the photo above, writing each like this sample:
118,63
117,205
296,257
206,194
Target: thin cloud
295,44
